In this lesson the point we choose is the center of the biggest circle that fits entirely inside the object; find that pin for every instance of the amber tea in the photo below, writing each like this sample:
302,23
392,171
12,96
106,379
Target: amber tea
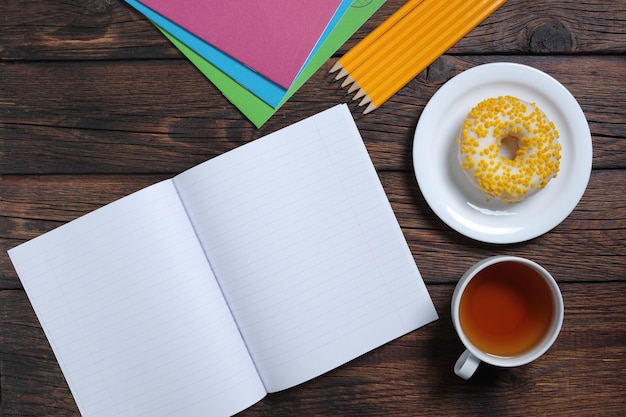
506,309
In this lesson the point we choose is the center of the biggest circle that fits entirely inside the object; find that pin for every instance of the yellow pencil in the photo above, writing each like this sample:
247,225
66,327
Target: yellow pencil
392,59
445,23
355,56
397,41
452,27
404,45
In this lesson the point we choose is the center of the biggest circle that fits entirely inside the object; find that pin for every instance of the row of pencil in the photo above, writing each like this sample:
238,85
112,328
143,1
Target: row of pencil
405,44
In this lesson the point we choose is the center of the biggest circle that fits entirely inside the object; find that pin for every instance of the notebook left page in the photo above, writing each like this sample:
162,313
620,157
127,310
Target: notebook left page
133,313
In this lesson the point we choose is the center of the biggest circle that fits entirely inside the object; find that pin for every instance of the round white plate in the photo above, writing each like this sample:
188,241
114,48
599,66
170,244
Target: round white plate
454,199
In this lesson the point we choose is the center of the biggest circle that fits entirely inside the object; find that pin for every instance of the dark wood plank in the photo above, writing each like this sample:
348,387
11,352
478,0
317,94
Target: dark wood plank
413,375
163,116
31,380
33,205
71,29
95,103
590,245
409,376
546,27
93,29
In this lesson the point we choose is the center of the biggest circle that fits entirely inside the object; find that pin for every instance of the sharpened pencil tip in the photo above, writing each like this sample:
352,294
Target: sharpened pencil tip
335,67
349,80
341,74
366,100
355,86
359,94
369,108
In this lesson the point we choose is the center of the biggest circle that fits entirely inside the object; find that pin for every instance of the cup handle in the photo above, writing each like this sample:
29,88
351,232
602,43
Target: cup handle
466,365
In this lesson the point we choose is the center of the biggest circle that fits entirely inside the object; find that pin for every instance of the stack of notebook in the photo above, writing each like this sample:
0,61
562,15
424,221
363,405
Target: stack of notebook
257,53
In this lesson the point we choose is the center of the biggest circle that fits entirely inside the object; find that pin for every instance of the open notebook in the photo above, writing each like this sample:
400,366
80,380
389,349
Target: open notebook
250,273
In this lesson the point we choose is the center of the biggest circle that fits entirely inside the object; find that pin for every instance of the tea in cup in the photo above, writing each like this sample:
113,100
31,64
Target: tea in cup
507,311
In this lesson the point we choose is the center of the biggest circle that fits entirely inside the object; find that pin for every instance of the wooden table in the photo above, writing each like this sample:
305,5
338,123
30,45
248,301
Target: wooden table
96,104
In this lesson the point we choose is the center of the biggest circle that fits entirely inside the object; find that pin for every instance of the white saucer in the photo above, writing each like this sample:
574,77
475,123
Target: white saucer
445,187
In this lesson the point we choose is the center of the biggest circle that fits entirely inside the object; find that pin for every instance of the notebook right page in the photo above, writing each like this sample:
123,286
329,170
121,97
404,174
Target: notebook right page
306,248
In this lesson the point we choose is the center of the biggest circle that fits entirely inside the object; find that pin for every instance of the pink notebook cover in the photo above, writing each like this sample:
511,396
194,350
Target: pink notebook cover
272,37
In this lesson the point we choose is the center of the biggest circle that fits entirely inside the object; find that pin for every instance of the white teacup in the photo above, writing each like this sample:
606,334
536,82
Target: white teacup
507,311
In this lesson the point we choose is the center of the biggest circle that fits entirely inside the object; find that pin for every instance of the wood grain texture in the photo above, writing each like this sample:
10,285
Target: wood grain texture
409,376
110,29
96,104
171,118
33,205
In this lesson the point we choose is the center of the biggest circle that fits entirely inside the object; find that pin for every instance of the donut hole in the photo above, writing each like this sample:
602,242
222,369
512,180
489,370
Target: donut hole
509,146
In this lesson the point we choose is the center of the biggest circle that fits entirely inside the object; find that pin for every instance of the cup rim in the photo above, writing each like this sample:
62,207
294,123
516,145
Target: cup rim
537,351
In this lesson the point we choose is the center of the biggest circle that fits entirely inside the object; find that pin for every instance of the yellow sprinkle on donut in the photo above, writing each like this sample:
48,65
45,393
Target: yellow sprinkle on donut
508,148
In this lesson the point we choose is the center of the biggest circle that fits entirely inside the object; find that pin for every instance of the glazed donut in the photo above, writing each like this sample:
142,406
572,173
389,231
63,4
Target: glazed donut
508,148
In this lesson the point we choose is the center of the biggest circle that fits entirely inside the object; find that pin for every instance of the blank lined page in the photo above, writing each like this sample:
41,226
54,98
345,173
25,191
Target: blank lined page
134,315
306,248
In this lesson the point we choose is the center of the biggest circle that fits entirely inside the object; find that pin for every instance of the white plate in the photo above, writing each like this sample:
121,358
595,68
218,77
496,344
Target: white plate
454,199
